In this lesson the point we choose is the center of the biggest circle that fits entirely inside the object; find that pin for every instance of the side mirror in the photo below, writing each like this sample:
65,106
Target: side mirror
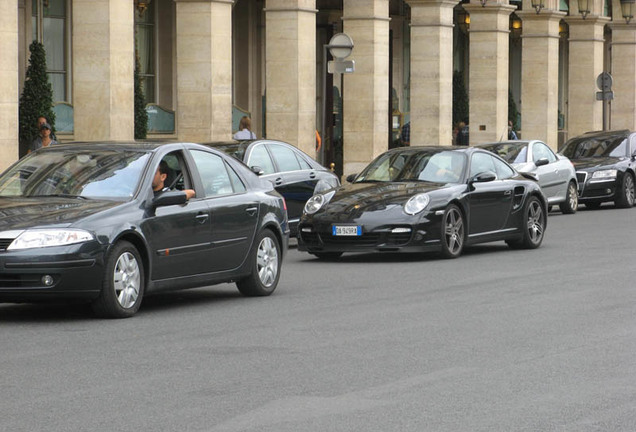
257,170
483,177
351,177
541,162
170,198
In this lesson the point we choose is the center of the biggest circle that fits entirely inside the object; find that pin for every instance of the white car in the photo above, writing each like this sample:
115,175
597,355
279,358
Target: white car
555,172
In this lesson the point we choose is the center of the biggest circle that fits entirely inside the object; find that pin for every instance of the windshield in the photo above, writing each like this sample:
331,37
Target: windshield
87,174
584,147
511,153
427,165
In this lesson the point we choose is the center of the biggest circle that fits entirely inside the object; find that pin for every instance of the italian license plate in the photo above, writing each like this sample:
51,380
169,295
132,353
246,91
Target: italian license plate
346,230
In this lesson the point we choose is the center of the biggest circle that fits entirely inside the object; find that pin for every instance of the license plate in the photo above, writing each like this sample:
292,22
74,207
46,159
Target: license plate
346,230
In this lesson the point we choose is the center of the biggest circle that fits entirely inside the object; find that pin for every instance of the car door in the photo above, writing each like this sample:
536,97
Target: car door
179,235
490,202
233,208
553,179
299,179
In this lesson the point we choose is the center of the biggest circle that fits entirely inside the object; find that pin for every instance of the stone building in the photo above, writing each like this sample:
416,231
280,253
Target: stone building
204,63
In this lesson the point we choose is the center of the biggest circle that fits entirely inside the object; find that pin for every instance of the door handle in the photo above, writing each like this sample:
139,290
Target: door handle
278,181
312,175
251,211
508,192
202,218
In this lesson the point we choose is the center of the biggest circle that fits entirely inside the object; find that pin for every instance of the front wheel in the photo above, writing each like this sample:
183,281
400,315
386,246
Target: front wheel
453,232
625,198
534,223
266,263
123,286
571,202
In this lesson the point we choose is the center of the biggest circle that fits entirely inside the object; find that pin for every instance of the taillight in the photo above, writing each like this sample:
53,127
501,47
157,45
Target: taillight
284,204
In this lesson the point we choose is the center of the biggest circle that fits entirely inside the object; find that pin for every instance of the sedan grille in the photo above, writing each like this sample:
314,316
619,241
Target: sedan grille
581,176
365,240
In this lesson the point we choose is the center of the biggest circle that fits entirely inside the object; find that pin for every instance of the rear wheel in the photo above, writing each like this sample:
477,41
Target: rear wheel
533,227
453,232
625,196
327,256
571,202
266,264
123,286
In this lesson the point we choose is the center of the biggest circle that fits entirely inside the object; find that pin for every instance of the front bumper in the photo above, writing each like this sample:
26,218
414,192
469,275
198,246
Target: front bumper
52,273
596,190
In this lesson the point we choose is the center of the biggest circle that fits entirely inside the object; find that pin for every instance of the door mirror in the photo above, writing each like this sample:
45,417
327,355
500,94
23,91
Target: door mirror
483,177
170,198
541,162
351,177
257,170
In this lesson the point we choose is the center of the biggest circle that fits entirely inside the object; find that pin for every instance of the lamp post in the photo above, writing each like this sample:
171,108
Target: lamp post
141,6
584,7
538,5
627,7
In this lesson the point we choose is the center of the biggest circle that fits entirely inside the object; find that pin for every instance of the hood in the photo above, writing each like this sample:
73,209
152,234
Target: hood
21,213
597,162
378,196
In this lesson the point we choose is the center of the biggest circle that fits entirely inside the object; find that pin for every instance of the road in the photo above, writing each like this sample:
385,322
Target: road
497,340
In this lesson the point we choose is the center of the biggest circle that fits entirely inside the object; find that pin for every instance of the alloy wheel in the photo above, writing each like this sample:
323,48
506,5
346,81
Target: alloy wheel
535,221
574,197
127,280
454,231
267,261
629,190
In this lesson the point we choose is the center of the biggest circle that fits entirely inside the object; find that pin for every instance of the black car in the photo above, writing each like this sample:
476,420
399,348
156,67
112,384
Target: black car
605,166
418,199
82,222
295,175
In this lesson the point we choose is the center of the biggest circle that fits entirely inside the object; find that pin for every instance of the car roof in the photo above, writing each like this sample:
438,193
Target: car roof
604,134
117,145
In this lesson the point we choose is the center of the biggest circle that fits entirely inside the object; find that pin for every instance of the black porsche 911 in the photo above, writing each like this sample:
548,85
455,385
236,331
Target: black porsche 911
91,222
605,164
417,199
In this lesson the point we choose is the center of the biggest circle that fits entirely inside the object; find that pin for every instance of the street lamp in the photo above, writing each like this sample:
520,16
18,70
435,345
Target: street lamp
627,7
141,6
538,5
483,3
463,20
584,7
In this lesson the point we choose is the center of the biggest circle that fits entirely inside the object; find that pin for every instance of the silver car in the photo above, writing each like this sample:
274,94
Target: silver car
555,172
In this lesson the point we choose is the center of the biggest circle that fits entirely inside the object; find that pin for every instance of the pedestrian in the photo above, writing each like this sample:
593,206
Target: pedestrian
512,135
245,130
44,139
462,135
40,121
405,135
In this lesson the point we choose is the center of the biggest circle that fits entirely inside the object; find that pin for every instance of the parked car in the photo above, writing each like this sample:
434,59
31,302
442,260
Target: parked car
417,199
555,172
81,222
605,166
295,175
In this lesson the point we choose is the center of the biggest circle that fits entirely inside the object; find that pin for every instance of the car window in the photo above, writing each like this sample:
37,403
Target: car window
632,141
540,150
303,163
260,157
214,174
503,171
237,183
481,162
285,158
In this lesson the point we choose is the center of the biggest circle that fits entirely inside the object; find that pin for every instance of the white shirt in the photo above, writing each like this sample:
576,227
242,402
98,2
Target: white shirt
244,134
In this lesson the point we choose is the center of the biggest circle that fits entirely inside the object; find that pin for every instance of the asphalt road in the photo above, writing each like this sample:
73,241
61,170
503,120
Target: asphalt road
497,340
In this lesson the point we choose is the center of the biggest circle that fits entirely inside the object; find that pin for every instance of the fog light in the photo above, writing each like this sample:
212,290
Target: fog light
608,191
47,280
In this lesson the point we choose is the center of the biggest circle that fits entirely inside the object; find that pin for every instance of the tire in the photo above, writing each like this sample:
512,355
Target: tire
266,264
625,196
593,205
571,203
327,256
533,226
123,285
453,232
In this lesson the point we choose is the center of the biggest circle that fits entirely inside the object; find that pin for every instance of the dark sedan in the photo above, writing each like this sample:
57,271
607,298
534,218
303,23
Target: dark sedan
295,175
426,198
605,167
86,221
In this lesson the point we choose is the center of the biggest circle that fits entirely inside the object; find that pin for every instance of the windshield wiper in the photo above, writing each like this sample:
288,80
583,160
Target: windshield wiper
59,196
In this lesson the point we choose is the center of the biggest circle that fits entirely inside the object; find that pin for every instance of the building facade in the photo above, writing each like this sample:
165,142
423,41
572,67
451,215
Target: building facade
205,63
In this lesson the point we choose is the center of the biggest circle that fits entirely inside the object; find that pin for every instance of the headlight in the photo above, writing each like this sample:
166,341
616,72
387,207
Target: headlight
316,202
49,237
604,174
416,203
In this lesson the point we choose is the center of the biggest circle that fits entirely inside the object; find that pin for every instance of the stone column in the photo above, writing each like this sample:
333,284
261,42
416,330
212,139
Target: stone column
204,70
366,91
623,107
540,76
290,62
103,70
586,45
431,71
9,94
488,67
